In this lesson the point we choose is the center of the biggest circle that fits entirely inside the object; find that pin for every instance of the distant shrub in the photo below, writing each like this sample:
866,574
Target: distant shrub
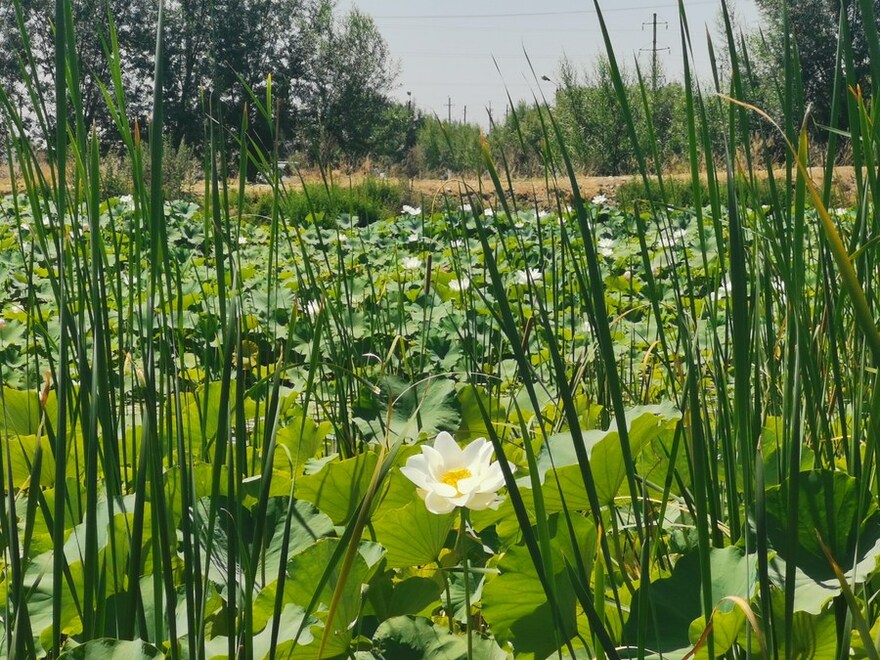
371,200
181,169
679,193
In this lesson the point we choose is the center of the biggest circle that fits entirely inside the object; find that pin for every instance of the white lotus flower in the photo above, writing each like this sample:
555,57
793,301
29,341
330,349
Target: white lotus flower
412,210
676,238
606,247
599,200
411,263
448,476
488,212
524,276
313,307
460,285
466,208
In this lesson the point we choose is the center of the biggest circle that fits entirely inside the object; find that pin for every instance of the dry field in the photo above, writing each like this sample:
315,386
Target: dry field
527,190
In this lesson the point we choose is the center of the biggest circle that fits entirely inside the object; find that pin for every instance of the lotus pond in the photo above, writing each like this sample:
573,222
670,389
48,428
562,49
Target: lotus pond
234,458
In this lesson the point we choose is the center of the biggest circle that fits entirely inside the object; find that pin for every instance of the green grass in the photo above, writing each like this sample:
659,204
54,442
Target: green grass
206,403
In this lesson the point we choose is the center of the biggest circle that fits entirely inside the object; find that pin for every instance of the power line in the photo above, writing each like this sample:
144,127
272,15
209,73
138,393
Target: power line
654,50
573,12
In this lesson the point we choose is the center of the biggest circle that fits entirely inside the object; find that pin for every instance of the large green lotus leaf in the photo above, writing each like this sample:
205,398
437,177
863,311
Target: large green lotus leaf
726,627
201,413
289,622
828,505
113,649
674,602
201,477
473,425
305,570
307,525
414,595
417,638
338,488
771,451
645,425
411,535
514,603
297,442
419,410
41,599
112,523
21,412
21,452
814,636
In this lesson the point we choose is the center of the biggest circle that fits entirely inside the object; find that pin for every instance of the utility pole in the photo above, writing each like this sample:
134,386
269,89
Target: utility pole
449,110
654,50
465,115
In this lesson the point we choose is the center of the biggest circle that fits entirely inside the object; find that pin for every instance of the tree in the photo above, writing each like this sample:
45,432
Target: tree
134,25
589,111
346,93
814,28
330,77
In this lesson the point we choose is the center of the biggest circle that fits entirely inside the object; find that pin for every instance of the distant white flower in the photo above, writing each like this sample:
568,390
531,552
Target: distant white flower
460,285
488,212
606,247
242,240
448,476
413,238
466,208
519,224
313,307
457,243
24,226
411,263
600,200
530,274
412,210
342,238
128,200
674,239
543,213
779,285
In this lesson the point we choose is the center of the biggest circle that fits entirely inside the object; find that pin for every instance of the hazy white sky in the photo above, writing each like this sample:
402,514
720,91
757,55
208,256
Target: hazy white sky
445,49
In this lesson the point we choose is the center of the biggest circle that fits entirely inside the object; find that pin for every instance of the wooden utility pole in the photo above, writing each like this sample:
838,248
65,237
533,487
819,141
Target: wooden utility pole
449,110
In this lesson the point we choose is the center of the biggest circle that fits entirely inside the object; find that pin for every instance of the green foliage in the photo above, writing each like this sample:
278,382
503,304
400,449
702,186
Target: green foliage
589,111
444,146
204,415
369,201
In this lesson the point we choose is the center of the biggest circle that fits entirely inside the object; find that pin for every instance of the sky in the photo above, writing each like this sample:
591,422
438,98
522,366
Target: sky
445,49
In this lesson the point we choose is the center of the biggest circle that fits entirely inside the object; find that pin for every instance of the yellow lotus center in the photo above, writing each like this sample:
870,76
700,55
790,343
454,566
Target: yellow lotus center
452,477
